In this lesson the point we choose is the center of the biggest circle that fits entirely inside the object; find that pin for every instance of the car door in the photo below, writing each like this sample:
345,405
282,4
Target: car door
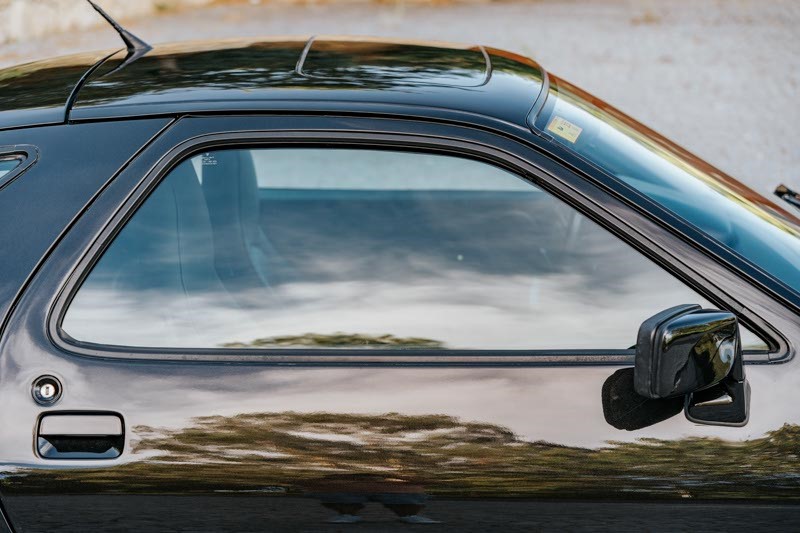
295,323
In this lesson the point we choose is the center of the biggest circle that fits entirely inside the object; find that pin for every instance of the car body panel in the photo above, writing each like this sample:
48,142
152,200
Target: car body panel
38,93
255,444
354,74
41,202
261,460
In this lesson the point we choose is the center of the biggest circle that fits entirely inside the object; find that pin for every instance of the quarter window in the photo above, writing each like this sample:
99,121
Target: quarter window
9,163
357,248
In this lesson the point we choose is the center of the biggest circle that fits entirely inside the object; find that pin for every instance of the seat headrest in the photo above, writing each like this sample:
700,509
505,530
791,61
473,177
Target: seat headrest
230,186
167,245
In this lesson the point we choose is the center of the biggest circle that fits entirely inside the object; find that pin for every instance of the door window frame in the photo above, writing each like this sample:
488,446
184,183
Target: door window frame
458,141
28,154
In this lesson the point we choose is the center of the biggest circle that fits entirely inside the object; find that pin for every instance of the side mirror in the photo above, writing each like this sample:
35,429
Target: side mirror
685,349
689,359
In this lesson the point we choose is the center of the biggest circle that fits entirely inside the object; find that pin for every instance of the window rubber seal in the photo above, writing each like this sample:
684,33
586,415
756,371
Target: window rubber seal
29,155
415,142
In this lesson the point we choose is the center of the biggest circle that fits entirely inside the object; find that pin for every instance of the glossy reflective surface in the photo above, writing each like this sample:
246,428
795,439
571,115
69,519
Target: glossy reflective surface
726,404
64,179
395,64
325,248
352,72
249,446
436,455
307,447
734,215
37,93
9,163
685,349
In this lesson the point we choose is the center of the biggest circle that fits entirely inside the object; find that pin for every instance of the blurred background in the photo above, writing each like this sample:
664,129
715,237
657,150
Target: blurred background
720,77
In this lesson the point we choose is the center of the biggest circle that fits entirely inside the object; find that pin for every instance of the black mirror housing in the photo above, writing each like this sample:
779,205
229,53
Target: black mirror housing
685,349
686,357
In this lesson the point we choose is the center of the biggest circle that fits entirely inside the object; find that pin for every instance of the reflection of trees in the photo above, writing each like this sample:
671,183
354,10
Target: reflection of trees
444,455
272,64
707,356
367,63
331,65
43,83
169,68
337,340
247,65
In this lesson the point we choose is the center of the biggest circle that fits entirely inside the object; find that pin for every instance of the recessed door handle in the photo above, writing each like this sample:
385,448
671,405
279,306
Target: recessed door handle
80,436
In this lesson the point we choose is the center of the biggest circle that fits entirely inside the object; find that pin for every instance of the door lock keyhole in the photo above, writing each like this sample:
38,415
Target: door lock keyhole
46,390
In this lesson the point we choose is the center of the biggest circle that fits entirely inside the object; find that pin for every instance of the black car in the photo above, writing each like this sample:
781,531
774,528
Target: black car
296,284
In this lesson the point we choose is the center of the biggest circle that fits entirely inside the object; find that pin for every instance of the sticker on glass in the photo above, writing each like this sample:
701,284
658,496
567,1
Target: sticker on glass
564,129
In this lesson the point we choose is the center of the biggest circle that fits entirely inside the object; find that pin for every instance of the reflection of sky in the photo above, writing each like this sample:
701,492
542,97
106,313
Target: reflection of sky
461,309
429,247
7,165
731,214
356,169
594,297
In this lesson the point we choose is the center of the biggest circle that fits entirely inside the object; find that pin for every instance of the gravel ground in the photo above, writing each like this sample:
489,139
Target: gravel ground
720,78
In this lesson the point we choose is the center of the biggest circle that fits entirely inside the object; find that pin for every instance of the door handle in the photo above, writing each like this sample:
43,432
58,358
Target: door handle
80,436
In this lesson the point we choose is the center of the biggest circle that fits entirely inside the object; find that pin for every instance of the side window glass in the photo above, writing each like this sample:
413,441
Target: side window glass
355,248
9,162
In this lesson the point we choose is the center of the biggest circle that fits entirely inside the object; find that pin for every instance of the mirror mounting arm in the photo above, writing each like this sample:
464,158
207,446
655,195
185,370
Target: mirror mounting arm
725,404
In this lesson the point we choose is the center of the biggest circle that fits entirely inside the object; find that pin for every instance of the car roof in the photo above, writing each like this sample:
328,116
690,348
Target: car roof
319,73
38,92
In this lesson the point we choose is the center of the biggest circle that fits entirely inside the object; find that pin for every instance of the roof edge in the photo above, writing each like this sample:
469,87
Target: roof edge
73,96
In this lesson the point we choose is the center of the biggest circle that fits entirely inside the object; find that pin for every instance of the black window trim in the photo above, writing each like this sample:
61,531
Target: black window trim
416,142
29,154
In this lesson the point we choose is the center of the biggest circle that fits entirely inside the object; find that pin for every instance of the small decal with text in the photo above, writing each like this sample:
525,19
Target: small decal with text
564,129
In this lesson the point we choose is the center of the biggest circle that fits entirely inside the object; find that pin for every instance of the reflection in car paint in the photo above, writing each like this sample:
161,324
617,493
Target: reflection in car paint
405,457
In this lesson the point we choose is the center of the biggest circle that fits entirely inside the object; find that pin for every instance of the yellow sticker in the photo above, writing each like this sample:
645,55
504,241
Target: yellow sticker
564,129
